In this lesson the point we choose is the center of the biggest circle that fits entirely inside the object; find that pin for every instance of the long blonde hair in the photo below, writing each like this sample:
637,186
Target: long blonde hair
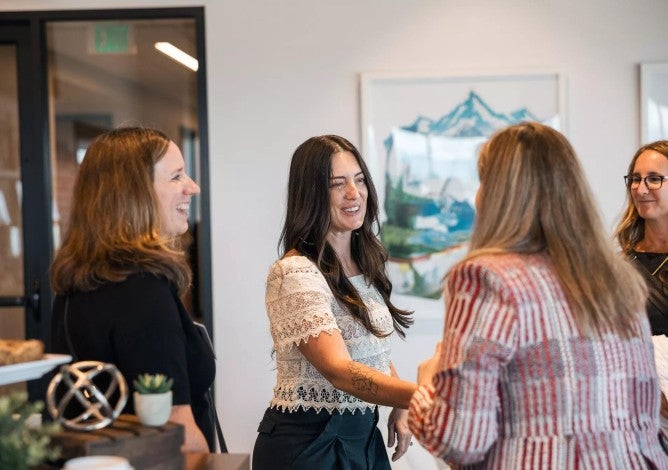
631,229
534,198
115,218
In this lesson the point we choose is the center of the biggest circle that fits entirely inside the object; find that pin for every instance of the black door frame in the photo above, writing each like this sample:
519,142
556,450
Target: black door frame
27,30
35,171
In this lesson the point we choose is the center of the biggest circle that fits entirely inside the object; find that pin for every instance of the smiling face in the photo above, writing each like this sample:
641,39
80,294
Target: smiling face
174,190
347,194
651,204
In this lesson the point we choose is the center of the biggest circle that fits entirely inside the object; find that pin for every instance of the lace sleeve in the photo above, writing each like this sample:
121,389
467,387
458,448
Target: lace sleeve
298,302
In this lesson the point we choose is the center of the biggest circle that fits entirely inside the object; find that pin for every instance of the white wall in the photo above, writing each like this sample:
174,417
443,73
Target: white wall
281,71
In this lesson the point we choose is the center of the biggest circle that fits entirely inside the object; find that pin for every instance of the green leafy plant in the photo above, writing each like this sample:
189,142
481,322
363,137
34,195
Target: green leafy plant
23,445
152,383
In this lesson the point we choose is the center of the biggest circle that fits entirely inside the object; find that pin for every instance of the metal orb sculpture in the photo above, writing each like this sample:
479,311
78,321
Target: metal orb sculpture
75,381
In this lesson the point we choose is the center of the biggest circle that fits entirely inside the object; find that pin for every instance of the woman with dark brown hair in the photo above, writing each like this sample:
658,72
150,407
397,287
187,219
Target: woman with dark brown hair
331,319
120,272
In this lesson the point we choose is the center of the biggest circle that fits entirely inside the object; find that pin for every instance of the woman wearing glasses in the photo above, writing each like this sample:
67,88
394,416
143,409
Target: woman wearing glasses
643,234
643,231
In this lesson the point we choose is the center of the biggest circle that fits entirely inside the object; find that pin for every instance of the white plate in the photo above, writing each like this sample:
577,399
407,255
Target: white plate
106,462
31,370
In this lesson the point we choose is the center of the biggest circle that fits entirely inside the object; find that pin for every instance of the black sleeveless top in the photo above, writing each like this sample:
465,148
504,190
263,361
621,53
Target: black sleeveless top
657,302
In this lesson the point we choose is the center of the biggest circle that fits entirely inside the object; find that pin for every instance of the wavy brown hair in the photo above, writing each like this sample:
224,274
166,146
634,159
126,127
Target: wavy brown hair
308,219
534,198
631,229
115,218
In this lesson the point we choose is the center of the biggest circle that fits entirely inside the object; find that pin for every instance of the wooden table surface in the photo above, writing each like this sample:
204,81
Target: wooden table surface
195,461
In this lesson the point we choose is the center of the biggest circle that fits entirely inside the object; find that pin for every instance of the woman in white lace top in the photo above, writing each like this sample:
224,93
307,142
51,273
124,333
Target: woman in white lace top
331,319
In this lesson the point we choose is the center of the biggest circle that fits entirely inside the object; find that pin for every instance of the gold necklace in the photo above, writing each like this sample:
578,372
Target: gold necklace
660,266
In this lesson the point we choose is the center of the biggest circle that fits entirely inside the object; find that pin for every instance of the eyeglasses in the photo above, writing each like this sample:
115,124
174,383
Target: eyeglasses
651,181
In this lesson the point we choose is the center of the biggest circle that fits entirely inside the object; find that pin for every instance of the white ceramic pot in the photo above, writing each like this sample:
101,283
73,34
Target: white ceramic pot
153,409
98,462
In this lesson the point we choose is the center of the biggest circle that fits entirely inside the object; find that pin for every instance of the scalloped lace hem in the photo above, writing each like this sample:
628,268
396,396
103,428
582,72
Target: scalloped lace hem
292,407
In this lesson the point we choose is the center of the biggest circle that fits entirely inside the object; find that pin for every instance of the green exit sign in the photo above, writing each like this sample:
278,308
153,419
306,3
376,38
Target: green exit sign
112,38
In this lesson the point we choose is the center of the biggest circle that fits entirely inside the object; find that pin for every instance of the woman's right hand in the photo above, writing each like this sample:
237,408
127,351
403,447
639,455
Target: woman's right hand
427,369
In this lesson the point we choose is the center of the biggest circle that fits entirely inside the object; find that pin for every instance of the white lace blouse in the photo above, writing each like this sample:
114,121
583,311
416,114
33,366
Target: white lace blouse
300,305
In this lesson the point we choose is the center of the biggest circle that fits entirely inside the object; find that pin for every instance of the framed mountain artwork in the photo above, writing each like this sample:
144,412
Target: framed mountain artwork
420,138
653,102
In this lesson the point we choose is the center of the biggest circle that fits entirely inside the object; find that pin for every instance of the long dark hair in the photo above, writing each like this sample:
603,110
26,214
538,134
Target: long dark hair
307,221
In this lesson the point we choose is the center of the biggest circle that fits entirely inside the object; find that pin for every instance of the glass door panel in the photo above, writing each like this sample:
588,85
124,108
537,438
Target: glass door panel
11,225
106,74
64,78
12,323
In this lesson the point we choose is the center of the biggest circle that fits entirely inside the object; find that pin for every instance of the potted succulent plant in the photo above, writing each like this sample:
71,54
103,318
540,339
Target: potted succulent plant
152,398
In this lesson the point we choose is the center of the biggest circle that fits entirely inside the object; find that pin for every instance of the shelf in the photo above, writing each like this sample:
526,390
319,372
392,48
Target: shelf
31,370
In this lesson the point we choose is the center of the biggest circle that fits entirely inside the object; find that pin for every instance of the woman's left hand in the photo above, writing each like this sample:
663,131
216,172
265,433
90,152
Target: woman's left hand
397,431
427,369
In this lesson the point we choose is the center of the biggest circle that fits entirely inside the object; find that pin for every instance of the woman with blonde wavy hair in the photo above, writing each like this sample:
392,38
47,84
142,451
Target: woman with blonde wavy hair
643,231
546,359
121,271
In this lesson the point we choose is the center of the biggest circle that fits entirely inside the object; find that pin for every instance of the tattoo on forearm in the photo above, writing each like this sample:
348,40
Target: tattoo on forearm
362,381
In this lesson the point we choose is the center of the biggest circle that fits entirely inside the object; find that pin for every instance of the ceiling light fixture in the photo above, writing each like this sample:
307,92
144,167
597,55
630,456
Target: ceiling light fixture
178,55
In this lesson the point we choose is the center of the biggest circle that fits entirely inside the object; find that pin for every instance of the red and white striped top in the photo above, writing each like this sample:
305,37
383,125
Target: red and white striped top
519,386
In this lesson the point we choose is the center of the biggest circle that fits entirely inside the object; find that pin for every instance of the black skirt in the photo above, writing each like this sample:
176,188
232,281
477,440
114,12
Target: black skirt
307,440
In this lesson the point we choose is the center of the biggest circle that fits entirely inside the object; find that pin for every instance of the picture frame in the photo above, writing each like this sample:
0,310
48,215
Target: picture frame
653,102
420,135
